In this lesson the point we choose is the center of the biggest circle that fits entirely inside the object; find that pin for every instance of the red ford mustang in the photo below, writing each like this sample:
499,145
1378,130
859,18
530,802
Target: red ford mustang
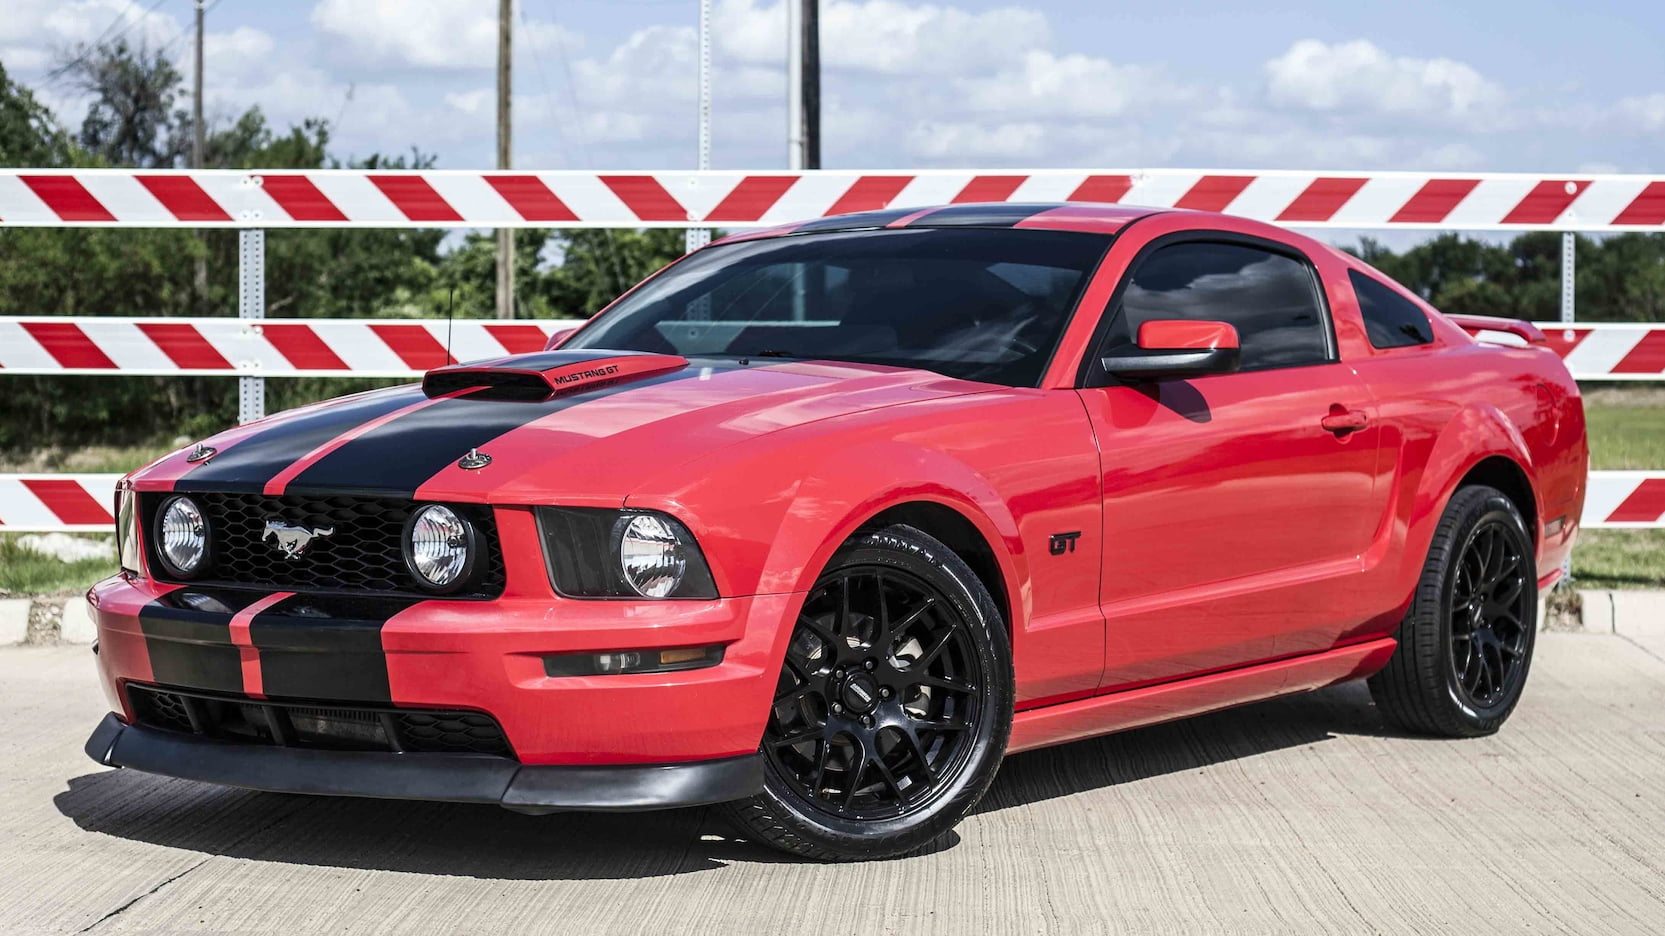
821,522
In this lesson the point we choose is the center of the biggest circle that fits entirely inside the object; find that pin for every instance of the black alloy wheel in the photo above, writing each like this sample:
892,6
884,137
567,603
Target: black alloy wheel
1488,612
877,697
892,708
1465,645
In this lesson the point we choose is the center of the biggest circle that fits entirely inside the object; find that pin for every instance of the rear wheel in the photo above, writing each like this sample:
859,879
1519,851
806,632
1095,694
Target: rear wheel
892,709
1466,644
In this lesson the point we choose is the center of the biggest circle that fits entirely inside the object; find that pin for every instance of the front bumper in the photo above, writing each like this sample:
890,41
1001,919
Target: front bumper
482,656
458,778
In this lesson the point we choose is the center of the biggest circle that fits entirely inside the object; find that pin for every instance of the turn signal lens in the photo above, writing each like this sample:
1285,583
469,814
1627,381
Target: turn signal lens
439,547
632,661
182,540
127,530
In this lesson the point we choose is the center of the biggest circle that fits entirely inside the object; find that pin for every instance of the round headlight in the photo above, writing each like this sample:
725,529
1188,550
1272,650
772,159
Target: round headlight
651,555
181,537
439,547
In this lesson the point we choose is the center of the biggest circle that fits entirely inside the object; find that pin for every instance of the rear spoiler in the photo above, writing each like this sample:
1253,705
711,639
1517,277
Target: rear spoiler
1478,325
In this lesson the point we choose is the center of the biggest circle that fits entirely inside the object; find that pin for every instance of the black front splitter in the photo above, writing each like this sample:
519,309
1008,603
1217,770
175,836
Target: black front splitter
456,778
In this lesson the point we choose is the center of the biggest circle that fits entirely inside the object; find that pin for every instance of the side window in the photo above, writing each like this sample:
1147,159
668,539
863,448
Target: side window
1271,299
1391,320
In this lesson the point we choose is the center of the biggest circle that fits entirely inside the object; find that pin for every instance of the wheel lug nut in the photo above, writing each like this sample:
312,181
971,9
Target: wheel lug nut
837,709
884,692
868,721
870,664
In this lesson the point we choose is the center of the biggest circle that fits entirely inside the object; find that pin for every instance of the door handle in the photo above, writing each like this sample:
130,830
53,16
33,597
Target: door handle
1342,421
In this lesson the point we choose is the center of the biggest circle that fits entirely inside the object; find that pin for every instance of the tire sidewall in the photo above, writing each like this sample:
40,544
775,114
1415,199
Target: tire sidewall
1493,506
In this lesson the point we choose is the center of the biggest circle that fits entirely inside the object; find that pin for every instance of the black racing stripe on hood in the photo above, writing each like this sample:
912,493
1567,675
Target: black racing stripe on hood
318,647
395,459
248,465
1000,215
188,637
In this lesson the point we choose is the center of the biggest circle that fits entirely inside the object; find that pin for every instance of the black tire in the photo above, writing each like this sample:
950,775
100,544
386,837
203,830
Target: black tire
858,683
1465,646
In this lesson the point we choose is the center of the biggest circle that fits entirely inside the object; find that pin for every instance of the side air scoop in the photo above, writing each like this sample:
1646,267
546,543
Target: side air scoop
546,374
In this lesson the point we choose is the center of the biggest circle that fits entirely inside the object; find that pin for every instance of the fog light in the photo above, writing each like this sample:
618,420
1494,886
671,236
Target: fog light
632,661
439,547
182,539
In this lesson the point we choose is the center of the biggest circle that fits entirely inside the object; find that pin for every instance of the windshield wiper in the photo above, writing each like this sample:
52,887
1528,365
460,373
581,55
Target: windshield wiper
770,352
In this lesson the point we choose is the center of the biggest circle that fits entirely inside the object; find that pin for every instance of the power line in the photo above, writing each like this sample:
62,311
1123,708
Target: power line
98,43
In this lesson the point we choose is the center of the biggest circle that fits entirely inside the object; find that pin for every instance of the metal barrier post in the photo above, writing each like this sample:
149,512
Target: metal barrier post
251,304
699,237
1569,247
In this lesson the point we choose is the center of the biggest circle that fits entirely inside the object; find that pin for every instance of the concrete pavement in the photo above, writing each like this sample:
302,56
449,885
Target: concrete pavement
1298,815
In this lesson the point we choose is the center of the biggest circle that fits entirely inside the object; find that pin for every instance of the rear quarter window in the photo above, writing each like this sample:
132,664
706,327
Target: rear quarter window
1391,320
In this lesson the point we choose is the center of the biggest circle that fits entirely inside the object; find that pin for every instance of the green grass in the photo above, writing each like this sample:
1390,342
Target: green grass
1627,432
25,572
1627,428
1619,559
94,459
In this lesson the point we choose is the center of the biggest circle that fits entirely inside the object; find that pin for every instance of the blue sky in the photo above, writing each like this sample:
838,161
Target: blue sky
1522,85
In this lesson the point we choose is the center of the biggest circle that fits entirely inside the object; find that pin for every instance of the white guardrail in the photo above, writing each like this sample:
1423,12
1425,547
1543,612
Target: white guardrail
254,348
83,502
738,199
407,347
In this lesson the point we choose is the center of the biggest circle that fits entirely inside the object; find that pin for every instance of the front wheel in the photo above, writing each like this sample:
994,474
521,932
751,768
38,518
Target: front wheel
892,709
1466,644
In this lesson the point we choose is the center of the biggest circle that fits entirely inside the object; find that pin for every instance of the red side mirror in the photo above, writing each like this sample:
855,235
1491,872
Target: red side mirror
1184,335
560,334
1175,349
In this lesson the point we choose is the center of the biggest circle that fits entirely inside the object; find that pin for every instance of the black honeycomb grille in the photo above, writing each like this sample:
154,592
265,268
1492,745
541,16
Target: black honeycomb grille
452,731
364,552
331,726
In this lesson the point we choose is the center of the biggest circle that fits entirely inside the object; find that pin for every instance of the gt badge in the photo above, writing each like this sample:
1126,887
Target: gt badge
291,539
1061,543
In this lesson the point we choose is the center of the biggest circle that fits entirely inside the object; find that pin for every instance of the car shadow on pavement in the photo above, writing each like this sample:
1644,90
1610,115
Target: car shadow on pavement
491,843
1187,744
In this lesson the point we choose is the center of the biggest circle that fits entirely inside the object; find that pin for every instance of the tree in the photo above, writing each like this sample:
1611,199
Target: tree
131,120
28,134
598,265
1619,278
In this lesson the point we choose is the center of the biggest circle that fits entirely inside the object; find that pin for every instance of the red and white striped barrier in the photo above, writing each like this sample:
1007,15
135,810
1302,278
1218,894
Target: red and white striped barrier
259,347
48,503
407,348
730,199
1609,350
1620,500
82,502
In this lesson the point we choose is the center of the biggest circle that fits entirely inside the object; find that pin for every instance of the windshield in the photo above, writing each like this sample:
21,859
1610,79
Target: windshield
973,303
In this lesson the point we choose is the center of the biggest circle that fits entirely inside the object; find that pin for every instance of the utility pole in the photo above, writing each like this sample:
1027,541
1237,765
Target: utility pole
811,88
699,237
505,236
794,84
198,133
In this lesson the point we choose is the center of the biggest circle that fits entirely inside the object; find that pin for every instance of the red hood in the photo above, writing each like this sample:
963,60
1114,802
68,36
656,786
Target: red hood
592,446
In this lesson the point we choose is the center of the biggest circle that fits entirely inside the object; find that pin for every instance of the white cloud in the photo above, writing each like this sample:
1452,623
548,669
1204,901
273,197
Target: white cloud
1645,113
45,23
475,103
964,144
1067,85
1359,76
887,36
449,34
